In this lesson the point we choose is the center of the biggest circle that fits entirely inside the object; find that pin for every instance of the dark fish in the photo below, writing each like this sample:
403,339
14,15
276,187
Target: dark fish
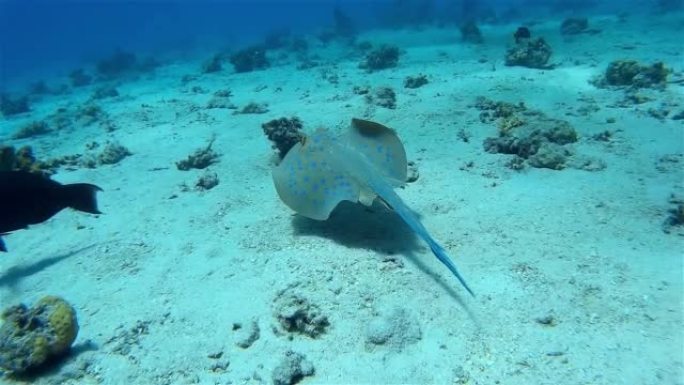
28,199
522,34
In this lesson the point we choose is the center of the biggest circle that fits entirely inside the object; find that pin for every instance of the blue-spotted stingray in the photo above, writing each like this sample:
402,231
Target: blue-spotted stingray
366,162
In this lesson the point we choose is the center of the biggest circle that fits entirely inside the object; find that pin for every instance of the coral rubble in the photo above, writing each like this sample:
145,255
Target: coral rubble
284,133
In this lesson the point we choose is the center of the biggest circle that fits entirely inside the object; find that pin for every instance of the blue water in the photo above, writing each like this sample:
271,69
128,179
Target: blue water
40,38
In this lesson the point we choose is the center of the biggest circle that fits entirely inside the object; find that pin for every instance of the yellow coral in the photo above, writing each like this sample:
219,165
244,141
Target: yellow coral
62,321
40,351
30,336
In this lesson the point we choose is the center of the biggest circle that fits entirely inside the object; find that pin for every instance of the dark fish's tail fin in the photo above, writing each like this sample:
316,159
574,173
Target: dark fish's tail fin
81,197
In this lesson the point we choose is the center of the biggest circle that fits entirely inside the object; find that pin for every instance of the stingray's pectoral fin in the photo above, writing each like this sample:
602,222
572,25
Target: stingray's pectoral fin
309,183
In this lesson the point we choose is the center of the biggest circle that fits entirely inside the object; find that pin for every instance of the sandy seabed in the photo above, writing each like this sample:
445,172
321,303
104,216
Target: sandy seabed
576,282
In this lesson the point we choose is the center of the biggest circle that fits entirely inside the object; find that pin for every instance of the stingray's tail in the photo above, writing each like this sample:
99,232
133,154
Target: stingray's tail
386,192
441,254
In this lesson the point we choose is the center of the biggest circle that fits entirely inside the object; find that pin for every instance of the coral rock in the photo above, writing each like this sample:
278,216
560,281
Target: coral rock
529,53
30,336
